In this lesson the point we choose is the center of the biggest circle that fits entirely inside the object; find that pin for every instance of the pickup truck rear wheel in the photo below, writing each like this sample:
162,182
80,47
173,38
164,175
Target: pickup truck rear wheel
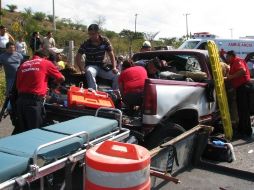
163,133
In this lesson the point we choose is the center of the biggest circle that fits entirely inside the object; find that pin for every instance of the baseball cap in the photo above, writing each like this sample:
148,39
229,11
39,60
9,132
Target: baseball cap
146,44
55,50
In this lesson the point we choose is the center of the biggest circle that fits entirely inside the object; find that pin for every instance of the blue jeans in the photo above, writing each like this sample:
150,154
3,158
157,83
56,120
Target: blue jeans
9,84
93,70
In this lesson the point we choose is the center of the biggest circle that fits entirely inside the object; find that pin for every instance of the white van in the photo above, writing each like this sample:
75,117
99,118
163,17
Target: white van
242,47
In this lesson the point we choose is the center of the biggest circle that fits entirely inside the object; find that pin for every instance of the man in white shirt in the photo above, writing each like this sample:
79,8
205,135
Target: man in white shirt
48,41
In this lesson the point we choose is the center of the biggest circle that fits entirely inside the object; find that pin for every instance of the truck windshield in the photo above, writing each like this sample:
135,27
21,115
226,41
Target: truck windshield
189,45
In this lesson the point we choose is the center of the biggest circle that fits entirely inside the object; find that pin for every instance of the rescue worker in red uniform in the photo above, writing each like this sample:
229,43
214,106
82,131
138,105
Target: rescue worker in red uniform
131,84
239,76
32,80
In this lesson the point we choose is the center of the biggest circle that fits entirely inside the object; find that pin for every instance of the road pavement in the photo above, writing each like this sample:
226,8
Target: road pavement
199,179
6,127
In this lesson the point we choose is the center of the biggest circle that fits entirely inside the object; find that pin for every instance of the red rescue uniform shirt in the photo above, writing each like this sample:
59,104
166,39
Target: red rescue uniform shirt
133,79
32,76
237,64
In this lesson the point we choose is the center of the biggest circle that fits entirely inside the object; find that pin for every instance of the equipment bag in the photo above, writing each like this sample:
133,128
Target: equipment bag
81,98
219,149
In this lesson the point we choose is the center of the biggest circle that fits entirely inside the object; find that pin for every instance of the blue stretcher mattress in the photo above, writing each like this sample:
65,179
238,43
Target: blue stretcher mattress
95,126
24,144
11,166
17,151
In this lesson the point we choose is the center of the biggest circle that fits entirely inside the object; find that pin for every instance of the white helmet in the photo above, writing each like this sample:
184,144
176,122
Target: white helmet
146,44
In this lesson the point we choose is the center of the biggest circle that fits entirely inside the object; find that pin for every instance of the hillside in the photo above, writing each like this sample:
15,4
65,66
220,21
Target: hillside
22,24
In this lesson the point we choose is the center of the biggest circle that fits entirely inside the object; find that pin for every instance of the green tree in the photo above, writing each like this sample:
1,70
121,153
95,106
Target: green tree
175,42
126,33
133,41
110,34
51,18
64,23
60,24
12,7
28,11
3,12
28,29
139,35
120,45
63,37
40,16
130,34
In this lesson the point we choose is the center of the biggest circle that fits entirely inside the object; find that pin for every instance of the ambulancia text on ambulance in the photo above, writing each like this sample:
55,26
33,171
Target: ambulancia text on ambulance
242,47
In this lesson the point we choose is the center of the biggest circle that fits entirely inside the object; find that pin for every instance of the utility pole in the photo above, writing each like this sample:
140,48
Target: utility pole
231,32
186,19
54,21
0,11
136,15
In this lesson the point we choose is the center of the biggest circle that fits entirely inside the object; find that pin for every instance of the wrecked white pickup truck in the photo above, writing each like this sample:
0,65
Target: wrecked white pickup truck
172,104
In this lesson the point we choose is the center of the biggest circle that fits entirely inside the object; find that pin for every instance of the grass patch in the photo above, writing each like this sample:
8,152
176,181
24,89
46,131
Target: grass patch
2,87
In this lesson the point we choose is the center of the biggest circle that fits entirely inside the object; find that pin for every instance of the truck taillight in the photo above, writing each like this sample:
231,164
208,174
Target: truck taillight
150,99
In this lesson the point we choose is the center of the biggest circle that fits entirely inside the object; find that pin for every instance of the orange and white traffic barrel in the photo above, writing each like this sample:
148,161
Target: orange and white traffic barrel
115,165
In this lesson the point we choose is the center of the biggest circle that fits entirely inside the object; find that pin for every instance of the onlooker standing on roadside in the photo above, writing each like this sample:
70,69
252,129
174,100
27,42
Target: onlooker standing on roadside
239,76
10,61
5,37
35,42
21,46
94,49
32,80
48,41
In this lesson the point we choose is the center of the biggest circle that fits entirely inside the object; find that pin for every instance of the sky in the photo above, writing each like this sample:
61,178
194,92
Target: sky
224,18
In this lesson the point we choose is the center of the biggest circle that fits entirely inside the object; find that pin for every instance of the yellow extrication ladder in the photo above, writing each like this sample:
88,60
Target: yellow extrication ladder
220,89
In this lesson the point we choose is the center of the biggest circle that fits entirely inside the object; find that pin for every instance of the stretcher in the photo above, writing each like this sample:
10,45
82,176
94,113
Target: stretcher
32,155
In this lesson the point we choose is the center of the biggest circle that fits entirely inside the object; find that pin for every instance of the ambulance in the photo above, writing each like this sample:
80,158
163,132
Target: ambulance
242,47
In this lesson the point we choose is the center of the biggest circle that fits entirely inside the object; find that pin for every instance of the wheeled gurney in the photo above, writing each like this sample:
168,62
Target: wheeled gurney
33,154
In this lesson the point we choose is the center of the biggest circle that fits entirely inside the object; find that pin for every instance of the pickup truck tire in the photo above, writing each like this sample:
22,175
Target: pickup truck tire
163,133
